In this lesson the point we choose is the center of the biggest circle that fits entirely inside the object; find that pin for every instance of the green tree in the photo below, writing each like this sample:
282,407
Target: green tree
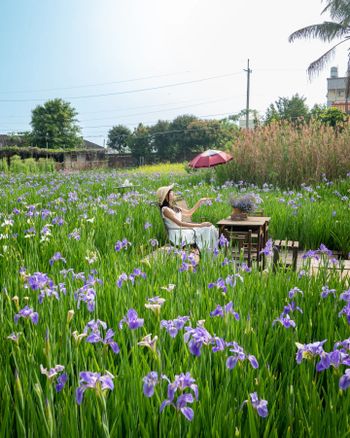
294,110
118,138
332,117
203,134
162,140
180,137
54,125
140,144
229,132
339,11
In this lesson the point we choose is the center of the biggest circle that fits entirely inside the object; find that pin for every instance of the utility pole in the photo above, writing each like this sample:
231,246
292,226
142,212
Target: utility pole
248,91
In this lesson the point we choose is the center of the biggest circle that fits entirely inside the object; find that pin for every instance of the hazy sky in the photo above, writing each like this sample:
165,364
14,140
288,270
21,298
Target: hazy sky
131,61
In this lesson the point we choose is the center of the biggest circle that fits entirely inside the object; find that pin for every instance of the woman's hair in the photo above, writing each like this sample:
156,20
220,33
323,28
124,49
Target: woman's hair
166,204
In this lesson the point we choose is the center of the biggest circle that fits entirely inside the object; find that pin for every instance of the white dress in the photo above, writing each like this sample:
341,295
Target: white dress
204,238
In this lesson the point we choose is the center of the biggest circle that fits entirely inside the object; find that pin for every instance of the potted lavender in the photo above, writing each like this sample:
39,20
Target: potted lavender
244,204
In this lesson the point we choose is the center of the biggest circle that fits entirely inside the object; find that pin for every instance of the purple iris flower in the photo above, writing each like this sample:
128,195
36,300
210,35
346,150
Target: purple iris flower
72,196
239,356
220,284
136,273
38,281
223,242
27,313
149,383
187,267
219,344
132,320
291,307
87,295
173,326
311,254
122,244
61,381
55,372
122,277
307,351
92,329
334,358
246,268
45,213
147,225
75,234
345,311
196,338
52,372
89,379
181,382
259,405
344,381
345,296
294,291
53,291
324,250
222,311
58,221
315,253
285,320
326,291
154,242
57,256
226,261
344,344
268,248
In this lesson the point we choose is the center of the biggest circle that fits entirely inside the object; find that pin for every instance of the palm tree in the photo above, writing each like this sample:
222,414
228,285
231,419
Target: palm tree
339,11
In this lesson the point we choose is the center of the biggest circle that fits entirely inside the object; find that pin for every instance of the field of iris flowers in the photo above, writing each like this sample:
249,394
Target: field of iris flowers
96,342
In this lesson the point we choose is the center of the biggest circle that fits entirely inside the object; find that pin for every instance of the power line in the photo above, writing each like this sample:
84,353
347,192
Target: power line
139,90
201,116
152,112
171,131
94,85
133,125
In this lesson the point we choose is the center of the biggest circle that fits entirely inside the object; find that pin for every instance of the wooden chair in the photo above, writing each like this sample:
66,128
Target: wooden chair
240,244
192,245
183,204
286,246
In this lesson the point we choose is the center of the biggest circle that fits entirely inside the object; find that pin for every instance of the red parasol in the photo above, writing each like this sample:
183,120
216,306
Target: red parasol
210,158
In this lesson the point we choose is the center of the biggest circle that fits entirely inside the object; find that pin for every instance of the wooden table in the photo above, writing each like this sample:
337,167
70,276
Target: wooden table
257,224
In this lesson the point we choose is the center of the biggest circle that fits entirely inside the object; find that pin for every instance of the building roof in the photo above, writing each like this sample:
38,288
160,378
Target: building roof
15,140
91,145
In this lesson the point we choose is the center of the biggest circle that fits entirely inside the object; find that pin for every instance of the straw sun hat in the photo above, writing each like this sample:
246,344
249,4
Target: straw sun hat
162,193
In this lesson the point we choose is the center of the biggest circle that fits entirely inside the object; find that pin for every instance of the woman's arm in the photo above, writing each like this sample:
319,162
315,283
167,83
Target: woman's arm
190,211
170,215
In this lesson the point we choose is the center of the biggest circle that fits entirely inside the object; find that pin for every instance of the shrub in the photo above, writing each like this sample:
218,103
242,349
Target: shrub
287,156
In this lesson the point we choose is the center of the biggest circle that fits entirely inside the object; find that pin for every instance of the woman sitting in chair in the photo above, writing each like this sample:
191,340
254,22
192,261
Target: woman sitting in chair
203,234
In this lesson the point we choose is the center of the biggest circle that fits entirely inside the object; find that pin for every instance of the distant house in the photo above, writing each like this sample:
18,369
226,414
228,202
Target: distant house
90,145
336,88
17,140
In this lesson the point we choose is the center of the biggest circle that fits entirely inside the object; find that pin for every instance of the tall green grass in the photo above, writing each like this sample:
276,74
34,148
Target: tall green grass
301,401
